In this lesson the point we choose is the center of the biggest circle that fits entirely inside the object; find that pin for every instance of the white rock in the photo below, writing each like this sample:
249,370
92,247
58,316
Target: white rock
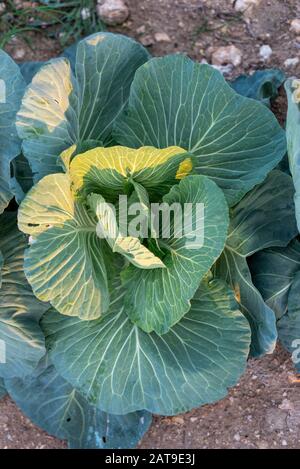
2,7
237,437
295,26
243,5
284,443
162,37
112,12
224,69
227,55
265,52
85,13
291,62
19,54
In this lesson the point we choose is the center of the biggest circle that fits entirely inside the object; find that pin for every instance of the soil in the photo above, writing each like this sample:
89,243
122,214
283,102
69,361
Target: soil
263,409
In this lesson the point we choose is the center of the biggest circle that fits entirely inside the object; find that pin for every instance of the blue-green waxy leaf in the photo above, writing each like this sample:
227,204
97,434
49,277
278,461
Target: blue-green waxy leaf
121,369
2,388
66,261
264,217
61,107
53,404
289,324
158,298
273,272
262,85
21,339
174,101
29,69
12,88
293,138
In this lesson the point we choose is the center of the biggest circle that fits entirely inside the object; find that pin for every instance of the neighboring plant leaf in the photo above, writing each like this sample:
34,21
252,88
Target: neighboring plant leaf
22,340
293,139
157,299
174,101
121,369
289,324
2,388
109,170
55,406
264,217
60,109
262,85
23,180
29,69
65,264
12,88
273,271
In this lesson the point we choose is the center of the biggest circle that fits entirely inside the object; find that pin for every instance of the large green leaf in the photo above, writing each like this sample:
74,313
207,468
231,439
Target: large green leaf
174,101
2,388
53,404
121,369
65,263
261,85
293,138
289,324
12,88
22,340
264,217
158,298
273,271
60,108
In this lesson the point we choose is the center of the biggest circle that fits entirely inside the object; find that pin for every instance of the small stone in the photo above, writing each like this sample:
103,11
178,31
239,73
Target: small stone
291,62
227,55
237,437
265,52
245,5
141,29
147,40
162,37
295,26
112,12
193,419
224,69
284,443
2,7
178,420
18,54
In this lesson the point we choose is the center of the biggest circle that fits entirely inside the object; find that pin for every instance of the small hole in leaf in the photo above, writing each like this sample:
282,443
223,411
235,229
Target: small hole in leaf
69,419
104,439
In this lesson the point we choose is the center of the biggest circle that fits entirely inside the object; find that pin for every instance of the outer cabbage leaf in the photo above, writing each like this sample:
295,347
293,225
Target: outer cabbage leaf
53,404
65,264
22,340
61,108
273,272
174,101
12,88
289,324
264,217
293,140
121,369
158,298
262,85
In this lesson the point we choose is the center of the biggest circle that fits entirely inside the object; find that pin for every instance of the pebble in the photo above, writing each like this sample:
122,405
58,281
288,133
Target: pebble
224,69
284,443
262,445
141,29
243,5
18,54
193,419
237,437
291,62
2,7
227,55
295,26
178,420
265,52
112,12
162,37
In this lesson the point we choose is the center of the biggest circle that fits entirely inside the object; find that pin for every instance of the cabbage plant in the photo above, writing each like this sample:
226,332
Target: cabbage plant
116,318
